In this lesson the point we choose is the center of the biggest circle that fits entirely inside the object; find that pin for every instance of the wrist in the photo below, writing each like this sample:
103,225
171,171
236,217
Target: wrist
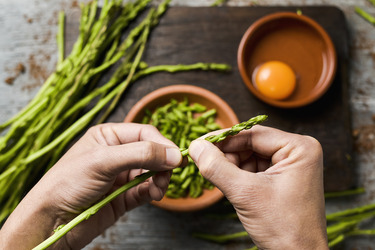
309,237
31,222
290,236
307,241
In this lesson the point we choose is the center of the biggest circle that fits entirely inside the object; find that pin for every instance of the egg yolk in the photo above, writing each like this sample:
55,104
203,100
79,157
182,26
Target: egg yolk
275,79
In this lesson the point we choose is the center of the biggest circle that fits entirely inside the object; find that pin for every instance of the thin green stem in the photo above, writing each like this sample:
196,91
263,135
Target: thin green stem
232,131
221,238
356,191
73,129
218,3
135,64
340,238
350,212
361,232
181,67
22,122
358,217
35,101
341,227
60,37
64,229
237,128
365,15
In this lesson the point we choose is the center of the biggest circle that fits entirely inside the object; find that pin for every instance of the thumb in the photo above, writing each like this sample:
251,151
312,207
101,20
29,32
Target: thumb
214,166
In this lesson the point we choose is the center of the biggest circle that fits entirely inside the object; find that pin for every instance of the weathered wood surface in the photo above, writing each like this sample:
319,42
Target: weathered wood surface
28,28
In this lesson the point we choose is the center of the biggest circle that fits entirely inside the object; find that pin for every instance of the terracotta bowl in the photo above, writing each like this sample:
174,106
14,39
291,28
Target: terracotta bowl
296,40
225,118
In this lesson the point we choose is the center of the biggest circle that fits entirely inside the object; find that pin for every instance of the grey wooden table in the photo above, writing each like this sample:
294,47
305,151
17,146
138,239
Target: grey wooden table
27,36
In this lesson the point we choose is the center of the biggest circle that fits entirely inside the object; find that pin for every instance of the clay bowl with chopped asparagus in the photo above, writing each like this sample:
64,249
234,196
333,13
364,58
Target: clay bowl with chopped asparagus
183,113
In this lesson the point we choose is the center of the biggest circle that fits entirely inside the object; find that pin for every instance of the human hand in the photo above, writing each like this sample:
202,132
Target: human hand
105,158
274,180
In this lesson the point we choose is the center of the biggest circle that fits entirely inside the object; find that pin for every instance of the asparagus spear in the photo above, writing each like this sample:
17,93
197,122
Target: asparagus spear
234,130
365,15
360,190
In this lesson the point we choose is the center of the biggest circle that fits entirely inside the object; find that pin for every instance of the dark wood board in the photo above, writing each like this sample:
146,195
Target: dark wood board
205,34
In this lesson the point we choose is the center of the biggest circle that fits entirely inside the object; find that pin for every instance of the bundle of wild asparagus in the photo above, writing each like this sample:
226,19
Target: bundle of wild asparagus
70,99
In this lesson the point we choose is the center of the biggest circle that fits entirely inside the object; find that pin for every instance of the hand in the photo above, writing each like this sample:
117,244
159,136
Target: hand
105,158
274,180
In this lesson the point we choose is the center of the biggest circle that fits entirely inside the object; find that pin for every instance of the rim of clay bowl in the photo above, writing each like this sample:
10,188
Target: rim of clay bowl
329,62
209,197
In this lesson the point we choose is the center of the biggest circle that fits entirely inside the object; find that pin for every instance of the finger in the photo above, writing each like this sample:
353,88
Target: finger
264,141
144,154
213,164
156,188
239,158
250,165
137,196
153,189
121,133
262,164
233,158
161,179
245,160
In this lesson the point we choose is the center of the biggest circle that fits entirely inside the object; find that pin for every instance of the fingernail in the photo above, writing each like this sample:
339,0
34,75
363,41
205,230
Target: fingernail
174,157
195,149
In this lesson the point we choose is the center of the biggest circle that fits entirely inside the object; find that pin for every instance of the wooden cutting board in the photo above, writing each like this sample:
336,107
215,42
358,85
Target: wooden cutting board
212,34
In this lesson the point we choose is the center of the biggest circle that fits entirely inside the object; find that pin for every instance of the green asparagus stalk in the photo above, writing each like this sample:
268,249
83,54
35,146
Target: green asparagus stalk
221,238
336,240
341,237
64,229
218,3
356,191
365,15
131,73
351,212
60,38
234,130
181,67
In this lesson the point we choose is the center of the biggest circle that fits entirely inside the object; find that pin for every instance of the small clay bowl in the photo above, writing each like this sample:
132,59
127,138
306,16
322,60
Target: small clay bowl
296,40
225,118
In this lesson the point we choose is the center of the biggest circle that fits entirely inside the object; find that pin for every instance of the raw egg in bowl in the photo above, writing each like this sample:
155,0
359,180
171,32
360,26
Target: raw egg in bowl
287,60
275,80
